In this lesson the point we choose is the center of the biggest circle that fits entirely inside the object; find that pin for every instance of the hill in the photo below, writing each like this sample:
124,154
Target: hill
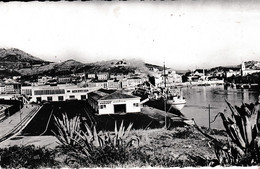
149,66
15,59
53,69
252,64
248,64
17,55
17,62
22,63
116,66
71,66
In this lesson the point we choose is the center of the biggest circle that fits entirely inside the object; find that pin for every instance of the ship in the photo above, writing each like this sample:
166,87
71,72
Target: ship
162,94
175,99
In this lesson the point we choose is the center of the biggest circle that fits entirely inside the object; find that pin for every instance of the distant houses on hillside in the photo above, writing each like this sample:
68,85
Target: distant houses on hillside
78,85
246,71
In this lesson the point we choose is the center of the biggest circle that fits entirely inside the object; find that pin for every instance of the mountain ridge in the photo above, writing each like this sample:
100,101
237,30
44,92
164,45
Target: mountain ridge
14,54
23,63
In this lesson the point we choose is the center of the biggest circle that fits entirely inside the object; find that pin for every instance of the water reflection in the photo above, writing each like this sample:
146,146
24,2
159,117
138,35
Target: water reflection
200,97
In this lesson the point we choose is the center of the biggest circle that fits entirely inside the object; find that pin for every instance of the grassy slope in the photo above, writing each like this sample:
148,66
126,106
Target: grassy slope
175,144
167,148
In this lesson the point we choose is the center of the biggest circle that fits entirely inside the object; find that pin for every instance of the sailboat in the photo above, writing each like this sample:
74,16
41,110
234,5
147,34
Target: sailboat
175,100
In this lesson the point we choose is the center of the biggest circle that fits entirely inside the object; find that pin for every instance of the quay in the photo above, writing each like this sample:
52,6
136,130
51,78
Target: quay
242,85
12,125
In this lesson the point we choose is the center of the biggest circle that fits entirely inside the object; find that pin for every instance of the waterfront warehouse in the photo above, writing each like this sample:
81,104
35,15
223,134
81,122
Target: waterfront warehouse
113,102
56,93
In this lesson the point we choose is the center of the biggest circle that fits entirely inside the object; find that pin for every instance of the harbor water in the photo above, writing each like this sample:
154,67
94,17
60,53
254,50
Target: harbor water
199,98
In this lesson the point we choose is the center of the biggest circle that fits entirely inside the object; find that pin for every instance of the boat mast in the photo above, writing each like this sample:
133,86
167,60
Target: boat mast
165,93
164,74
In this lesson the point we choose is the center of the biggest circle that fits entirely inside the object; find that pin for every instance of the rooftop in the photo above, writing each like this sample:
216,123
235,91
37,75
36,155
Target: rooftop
103,94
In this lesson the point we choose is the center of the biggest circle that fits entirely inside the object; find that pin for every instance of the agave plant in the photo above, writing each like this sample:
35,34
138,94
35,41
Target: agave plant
242,147
67,129
84,142
120,137
89,141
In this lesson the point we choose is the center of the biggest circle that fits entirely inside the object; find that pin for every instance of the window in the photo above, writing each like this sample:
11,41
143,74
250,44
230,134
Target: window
102,106
38,99
79,91
68,91
48,92
72,96
49,98
83,97
60,98
136,104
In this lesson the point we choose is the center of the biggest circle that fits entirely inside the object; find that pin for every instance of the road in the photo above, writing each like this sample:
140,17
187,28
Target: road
15,123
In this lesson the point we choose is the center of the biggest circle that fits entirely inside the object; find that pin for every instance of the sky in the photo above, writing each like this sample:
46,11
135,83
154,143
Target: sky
184,34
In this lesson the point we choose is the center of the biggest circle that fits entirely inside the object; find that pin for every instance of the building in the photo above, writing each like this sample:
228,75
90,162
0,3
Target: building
177,78
117,76
232,72
97,84
199,72
102,76
134,81
55,93
10,87
82,74
2,88
113,84
124,83
64,79
246,71
113,102
173,77
91,75
44,79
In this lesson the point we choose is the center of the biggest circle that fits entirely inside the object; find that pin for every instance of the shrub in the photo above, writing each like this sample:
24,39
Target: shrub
184,133
26,156
84,145
67,129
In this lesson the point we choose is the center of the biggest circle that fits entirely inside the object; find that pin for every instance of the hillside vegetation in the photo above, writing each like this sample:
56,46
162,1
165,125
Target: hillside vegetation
14,59
22,63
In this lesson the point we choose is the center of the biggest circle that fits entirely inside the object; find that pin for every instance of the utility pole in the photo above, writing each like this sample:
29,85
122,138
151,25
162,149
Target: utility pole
20,112
209,116
165,98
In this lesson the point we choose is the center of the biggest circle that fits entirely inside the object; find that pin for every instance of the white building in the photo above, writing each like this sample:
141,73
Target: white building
231,72
97,84
113,84
56,93
64,79
113,102
44,79
91,75
10,87
133,82
117,76
2,89
102,76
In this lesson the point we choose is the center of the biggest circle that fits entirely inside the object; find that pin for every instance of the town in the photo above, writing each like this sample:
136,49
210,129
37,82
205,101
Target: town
77,85
35,95
130,85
